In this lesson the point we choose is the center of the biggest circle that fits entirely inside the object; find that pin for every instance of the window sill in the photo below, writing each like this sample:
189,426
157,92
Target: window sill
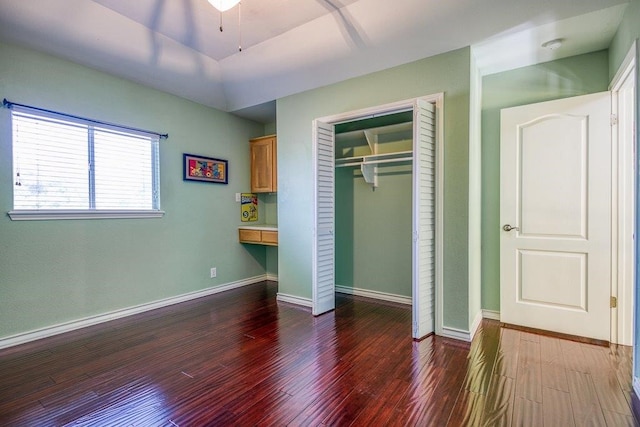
39,215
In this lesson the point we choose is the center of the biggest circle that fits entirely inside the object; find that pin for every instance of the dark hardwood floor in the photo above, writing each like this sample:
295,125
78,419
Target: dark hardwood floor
241,358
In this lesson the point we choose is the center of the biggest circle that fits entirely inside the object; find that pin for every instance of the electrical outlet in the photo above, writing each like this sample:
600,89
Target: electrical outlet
238,197
214,273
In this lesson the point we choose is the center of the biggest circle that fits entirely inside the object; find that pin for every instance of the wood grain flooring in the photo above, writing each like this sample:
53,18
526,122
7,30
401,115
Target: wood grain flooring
240,358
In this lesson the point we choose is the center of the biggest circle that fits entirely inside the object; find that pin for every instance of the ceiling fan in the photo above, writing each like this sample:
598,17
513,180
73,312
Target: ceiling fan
224,5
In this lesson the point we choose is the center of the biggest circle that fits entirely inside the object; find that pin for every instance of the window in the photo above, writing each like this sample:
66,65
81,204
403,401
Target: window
67,167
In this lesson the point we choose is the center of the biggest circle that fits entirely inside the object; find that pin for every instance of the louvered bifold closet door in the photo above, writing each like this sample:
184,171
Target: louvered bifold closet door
424,163
324,245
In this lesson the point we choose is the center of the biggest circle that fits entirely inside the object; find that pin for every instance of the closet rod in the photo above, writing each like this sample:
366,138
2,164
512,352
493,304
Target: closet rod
375,162
380,156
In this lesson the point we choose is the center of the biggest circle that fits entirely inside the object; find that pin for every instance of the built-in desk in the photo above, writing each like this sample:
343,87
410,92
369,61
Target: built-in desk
265,234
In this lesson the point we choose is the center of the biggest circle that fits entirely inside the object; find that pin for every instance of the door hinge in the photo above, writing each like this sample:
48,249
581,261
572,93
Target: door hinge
614,302
614,119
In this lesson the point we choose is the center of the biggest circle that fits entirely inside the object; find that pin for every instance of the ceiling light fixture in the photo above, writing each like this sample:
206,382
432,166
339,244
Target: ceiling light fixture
552,44
223,5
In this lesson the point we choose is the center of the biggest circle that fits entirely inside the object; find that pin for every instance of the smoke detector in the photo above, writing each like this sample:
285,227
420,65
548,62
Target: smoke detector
552,44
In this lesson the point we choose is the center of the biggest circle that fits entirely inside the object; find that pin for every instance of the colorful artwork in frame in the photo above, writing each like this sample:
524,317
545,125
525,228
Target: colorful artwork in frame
205,169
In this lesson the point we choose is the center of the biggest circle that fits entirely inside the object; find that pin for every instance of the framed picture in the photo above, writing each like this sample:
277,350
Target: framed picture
205,169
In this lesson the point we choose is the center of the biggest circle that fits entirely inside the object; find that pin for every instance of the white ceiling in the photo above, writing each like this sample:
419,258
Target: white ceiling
289,46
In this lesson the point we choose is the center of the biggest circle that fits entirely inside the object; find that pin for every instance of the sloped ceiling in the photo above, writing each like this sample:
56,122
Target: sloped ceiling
289,46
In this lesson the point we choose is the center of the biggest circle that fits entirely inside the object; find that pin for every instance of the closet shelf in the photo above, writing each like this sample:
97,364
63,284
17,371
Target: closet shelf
372,159
369,163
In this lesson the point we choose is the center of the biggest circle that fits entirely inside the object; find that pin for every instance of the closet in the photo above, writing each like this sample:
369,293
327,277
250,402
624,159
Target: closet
376,171
373,183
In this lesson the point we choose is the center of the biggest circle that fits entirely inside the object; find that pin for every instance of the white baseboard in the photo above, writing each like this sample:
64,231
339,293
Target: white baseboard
455,333
460,334
117,314
491,314
384,296
272,277
476,324
292,299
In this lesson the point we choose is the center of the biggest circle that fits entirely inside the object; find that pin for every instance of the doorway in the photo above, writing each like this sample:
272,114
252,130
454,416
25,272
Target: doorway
373,207
426,228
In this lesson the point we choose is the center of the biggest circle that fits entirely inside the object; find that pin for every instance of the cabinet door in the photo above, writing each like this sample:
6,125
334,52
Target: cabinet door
263,165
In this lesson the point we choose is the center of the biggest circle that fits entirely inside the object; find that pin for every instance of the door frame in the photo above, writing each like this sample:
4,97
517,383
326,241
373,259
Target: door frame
622,286
405,105
623,258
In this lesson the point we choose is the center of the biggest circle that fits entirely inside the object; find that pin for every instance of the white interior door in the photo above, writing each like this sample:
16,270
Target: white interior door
424,161
324,241
555,198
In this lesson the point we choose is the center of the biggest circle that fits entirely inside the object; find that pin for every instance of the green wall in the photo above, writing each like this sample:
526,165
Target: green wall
563,78
270,202
448,73
58,271
270,209
628,32
270,128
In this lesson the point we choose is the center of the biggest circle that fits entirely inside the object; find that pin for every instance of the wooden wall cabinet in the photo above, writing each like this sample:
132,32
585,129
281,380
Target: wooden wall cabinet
264,171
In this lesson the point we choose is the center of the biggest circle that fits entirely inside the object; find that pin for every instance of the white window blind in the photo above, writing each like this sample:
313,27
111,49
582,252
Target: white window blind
63,164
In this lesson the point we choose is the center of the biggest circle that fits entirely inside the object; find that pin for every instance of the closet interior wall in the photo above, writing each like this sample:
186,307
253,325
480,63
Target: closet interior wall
373,221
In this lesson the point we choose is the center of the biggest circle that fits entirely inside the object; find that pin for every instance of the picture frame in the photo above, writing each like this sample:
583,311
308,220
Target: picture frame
205,169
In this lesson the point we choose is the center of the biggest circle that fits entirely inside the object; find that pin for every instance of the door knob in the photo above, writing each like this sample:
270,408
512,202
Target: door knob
507,227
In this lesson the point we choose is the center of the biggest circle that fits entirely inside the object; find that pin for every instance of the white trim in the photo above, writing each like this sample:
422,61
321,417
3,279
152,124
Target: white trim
272,277
623,200
368,293
457,334
61,328
476,324
491,314
380,110
439,255
292,299
474,235
406,105
48,214
314,238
